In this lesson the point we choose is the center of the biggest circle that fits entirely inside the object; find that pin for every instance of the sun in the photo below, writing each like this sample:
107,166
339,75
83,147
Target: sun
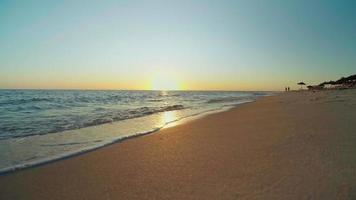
164,82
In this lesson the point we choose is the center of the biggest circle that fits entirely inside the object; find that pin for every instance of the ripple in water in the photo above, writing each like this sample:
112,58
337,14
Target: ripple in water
41,125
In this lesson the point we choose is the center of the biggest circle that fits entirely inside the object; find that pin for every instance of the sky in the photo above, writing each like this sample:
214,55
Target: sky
190,45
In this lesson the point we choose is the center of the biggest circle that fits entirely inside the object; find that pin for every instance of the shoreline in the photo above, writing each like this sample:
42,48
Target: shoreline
288,146
70,155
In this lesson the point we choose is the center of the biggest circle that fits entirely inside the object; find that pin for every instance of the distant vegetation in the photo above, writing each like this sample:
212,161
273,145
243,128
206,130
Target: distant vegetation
348,80
342,83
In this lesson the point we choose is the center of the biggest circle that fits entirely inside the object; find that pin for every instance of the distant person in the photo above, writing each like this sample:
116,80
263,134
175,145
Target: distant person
288,89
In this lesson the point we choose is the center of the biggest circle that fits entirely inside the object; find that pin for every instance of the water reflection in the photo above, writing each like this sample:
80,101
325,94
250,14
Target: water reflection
163,93
168,117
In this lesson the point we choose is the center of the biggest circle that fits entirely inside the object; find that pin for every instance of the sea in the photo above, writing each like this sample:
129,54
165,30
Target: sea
40,126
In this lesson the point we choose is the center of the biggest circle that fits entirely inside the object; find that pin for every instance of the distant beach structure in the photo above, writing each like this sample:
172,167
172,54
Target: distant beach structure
301,85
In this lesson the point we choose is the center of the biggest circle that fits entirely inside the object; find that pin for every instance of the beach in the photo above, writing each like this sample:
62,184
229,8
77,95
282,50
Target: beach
294,145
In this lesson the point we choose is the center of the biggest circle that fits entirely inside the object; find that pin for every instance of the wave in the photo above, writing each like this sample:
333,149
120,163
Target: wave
230,99
100,143
64,112
152,110
155,100
62,156
91,119
171,108
25,101
70,143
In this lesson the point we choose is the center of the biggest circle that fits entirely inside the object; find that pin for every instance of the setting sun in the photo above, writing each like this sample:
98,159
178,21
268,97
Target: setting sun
164,82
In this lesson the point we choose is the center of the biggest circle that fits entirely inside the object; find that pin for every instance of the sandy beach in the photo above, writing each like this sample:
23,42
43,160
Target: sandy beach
295,145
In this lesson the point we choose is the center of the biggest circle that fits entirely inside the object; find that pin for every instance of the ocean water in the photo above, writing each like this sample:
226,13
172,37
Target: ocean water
38,126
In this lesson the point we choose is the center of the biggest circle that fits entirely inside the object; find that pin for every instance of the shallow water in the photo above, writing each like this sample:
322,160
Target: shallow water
41,125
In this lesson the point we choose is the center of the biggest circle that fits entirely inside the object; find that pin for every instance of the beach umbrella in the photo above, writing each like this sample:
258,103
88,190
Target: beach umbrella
301,84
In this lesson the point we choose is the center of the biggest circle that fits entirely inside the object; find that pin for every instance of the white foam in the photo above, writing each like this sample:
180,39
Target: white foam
40,149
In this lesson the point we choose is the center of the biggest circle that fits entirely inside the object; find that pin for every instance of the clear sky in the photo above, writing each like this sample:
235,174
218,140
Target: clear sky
208,45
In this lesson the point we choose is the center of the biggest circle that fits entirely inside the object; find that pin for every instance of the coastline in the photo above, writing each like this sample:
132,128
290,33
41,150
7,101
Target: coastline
118,139
294,145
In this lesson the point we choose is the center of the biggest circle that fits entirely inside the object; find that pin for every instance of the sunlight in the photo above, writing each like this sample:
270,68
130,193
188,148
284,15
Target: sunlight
168,117
164,82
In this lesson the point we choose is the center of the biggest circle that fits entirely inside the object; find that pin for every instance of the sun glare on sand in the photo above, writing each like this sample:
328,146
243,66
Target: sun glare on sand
164,82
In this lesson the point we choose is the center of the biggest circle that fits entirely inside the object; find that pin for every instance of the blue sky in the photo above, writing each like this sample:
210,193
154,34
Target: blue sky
224,45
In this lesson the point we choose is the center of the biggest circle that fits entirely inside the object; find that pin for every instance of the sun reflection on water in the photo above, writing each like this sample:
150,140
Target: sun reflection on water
168,117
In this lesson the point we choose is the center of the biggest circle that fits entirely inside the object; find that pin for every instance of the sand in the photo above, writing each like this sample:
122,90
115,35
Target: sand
296,145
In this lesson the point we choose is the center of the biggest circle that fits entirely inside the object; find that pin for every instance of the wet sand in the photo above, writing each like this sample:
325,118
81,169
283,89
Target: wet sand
296,145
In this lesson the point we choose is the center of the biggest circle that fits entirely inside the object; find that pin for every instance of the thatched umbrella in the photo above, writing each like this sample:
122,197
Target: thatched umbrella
301,85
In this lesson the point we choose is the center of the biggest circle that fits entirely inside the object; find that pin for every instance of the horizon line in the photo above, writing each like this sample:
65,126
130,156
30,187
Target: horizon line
187,90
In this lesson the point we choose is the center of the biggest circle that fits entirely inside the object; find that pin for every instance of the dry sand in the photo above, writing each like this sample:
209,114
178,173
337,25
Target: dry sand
297,145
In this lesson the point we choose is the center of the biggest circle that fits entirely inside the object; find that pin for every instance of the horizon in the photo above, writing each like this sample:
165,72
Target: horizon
176,45
172,90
